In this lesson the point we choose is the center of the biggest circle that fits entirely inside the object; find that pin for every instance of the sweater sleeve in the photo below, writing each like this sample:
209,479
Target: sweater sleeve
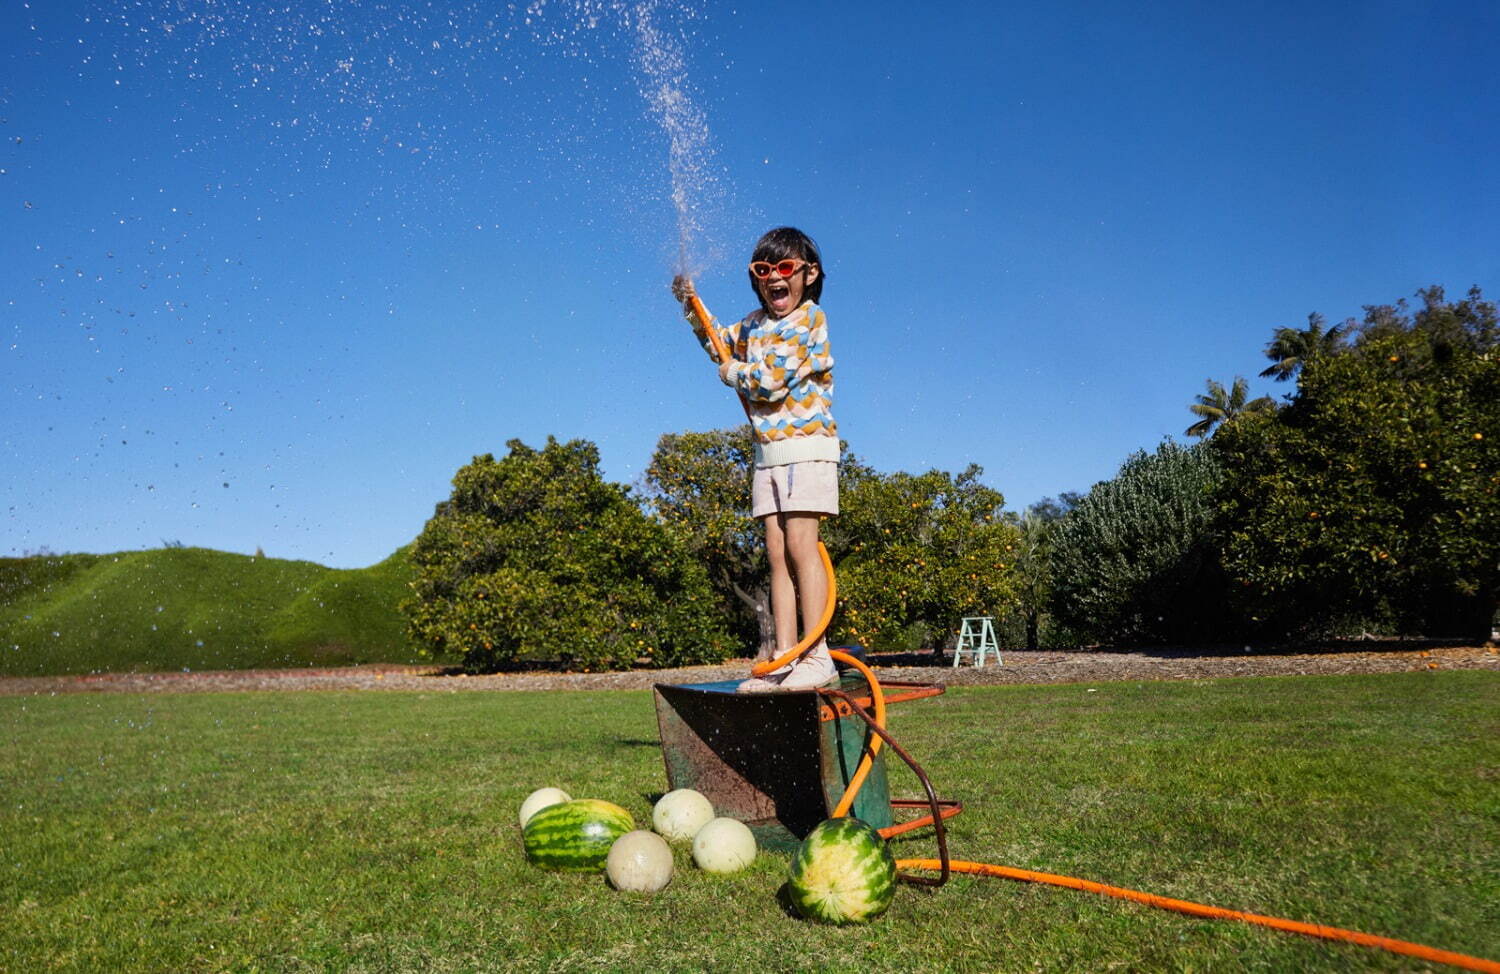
798,350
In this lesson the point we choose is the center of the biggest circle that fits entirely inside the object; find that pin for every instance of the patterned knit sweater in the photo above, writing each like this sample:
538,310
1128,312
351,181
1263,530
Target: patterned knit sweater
784,370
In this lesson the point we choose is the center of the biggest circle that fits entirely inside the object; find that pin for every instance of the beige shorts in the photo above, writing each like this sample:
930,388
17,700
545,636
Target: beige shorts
809,487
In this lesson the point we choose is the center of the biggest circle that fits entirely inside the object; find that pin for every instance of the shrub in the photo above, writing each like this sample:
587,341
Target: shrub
1135,559
535,558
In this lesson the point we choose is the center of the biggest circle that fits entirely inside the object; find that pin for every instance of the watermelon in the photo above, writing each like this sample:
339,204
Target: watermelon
575,836
843,873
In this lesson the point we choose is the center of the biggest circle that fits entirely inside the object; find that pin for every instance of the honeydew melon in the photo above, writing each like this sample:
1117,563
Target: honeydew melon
575,836
679,814
843,873
640,862
724,845
540,799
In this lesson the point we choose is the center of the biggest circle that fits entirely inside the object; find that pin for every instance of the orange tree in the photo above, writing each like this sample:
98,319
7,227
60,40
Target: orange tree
535,558
912,553
917,552
698,485
1375,494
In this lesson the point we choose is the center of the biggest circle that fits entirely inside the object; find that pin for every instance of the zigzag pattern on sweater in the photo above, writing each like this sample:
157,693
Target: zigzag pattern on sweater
786,374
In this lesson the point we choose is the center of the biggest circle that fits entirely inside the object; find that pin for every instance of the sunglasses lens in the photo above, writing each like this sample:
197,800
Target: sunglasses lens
786,268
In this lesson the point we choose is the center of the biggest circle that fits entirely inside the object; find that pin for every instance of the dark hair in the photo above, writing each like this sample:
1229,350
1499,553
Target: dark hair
784,242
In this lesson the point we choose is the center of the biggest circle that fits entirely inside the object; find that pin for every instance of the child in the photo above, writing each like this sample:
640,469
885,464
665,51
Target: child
781,367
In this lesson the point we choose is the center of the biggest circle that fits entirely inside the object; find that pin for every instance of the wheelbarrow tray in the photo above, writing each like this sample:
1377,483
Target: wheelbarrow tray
779,761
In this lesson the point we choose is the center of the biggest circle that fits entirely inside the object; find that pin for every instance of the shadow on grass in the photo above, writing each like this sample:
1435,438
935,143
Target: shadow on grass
1318,647
784,900
1311,647
643,665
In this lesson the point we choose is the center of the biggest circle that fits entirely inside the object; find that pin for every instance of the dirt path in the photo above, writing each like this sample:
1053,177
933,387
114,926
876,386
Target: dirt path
1018,668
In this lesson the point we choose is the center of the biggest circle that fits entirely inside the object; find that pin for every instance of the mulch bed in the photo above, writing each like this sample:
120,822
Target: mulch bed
1019,667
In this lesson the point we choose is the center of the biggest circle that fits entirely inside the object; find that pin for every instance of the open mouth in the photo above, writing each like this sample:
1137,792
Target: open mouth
778,294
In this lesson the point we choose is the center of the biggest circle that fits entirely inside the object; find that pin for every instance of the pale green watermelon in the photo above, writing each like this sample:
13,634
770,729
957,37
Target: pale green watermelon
575,836
843,873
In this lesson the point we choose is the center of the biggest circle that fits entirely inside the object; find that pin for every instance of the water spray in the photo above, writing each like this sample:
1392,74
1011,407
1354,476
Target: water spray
661,58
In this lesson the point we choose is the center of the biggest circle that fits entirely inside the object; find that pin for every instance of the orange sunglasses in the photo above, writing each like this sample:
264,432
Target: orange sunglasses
786,268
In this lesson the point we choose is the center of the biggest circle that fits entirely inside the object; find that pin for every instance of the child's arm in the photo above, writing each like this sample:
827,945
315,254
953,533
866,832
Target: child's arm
799,349
682,290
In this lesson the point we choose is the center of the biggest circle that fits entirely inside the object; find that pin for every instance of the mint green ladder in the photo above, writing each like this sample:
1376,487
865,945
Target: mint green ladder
975,638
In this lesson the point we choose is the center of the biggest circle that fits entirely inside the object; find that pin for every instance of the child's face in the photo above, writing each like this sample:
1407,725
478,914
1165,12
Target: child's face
782,293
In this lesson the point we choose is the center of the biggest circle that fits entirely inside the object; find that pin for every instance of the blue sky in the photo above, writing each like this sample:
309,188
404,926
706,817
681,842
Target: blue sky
270,279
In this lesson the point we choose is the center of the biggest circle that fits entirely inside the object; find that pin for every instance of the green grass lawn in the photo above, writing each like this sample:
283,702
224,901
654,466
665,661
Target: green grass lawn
377,831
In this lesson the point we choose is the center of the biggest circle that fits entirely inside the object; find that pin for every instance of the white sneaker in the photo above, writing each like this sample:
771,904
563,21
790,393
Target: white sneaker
814,670
765,684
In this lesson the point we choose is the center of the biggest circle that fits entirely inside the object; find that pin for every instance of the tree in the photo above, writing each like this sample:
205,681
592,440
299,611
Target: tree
1220,406
917,552
698,485
1134,560
1290,348
535,558
1051,509
912,554
1375,493
1034,560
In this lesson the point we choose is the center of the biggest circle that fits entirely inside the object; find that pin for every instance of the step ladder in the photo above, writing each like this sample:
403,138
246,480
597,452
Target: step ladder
975,638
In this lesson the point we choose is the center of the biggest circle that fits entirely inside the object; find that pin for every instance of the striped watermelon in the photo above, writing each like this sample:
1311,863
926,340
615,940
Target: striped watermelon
843,873
575,836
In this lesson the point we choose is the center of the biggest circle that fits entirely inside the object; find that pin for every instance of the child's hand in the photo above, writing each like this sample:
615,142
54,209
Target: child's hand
682,289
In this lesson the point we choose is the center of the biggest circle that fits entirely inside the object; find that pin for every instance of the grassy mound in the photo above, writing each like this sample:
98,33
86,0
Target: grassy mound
175,608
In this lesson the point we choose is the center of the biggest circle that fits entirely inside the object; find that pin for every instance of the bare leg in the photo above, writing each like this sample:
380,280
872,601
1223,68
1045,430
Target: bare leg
801,531
783,591
814,667
796,577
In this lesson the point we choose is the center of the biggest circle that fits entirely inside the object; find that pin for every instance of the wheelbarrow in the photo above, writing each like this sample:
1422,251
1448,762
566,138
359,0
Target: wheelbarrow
780,762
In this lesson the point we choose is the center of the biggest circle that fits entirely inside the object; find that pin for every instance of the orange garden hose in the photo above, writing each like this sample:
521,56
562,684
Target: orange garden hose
877,697
1070,882
1213,912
